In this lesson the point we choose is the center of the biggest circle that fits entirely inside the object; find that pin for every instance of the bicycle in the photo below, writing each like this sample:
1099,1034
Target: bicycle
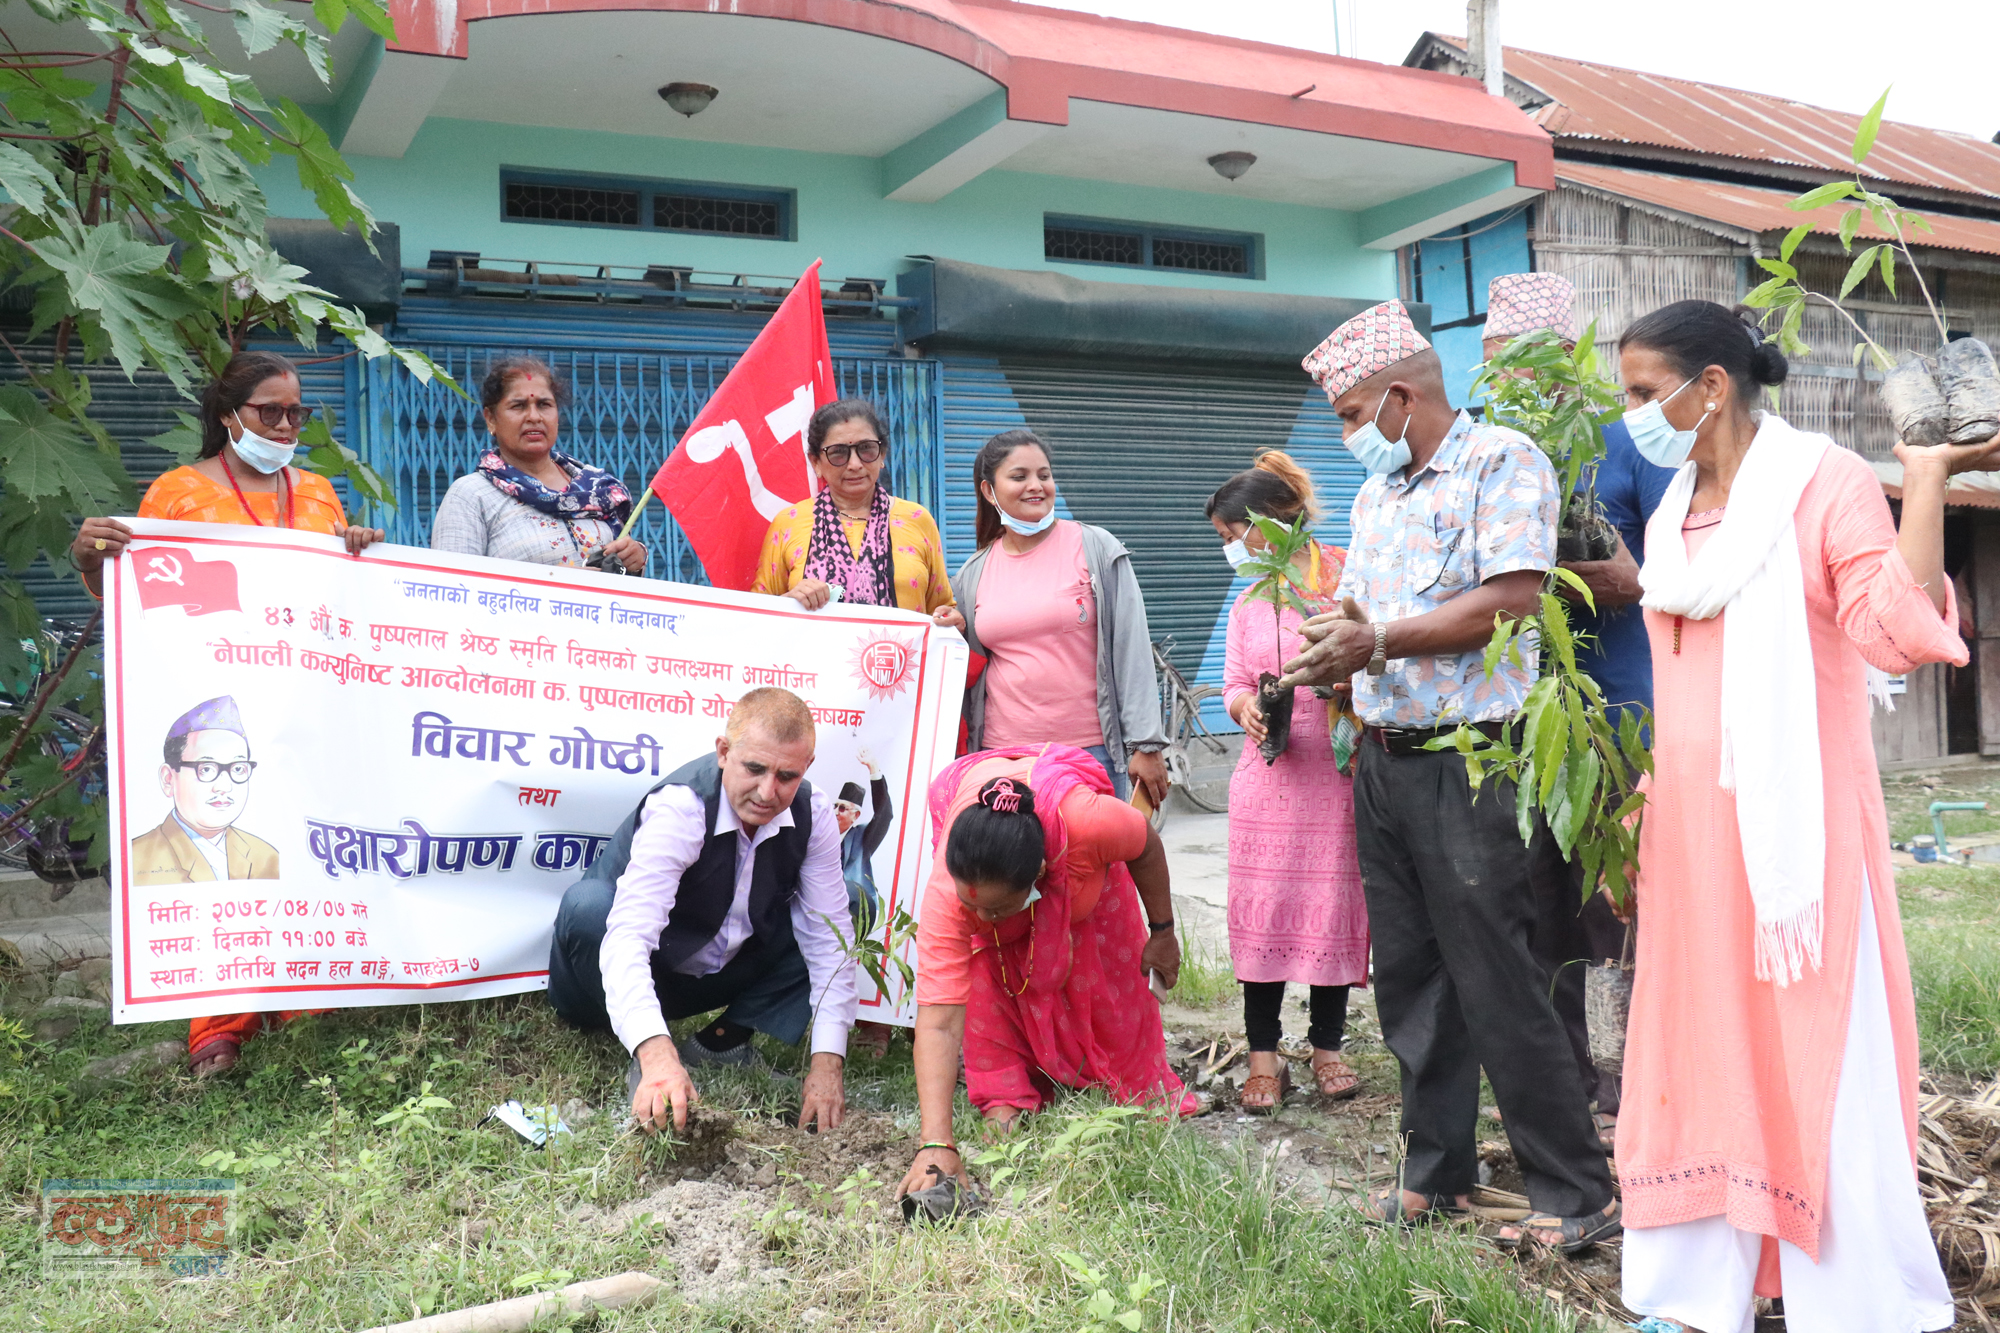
1183,704
68,749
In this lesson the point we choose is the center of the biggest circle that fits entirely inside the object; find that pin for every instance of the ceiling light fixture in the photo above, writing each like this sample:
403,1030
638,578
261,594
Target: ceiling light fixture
1231,166
690,99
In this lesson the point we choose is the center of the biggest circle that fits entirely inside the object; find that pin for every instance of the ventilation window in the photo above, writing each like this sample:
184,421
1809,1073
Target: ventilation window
1093,247
531,202
728,217
1201,256
646,205
1138,245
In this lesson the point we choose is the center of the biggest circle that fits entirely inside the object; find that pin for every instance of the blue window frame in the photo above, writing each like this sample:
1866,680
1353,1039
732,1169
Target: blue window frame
628,203
1229,254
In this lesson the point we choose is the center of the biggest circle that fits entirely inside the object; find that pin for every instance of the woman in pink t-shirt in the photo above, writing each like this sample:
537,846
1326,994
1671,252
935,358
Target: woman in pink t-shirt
1055,608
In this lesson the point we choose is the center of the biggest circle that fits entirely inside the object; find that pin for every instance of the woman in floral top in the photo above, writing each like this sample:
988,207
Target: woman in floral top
853,535
528,500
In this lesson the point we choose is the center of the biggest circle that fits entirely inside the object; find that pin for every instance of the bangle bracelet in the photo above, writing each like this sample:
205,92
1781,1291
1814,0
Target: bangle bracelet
1157,926
950,1147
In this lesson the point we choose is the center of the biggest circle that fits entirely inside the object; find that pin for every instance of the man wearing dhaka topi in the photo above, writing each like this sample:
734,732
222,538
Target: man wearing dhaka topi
206,774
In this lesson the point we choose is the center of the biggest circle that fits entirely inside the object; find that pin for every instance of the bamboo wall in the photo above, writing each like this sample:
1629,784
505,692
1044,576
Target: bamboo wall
1626,261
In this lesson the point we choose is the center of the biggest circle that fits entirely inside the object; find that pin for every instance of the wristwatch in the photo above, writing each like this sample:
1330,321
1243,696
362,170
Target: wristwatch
1380,661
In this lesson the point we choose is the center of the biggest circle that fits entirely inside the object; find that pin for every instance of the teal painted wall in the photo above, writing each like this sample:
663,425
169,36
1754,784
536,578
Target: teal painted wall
445,194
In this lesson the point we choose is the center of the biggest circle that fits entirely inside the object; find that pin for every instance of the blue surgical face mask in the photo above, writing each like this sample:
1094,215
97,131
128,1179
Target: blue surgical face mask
1034,896
1236,553
1024,528
1655,437
267,456
1376,451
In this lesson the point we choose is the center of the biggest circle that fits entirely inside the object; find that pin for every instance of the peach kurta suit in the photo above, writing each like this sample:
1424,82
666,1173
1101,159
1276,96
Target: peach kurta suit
1730,1081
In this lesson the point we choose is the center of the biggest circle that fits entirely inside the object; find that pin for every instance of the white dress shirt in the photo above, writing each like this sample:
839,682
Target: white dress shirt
213,850
672,829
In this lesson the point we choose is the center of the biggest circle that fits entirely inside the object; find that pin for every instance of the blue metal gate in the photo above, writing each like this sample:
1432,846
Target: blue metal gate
629,406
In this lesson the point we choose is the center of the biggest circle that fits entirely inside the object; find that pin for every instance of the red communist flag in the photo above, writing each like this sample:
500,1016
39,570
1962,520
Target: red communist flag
171,577
744,458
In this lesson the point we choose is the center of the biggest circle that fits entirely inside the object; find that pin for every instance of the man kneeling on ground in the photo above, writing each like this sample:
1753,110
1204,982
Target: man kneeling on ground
717,893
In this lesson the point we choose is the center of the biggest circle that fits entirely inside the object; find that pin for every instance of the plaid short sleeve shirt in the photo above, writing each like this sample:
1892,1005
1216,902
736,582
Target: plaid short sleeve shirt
1486,504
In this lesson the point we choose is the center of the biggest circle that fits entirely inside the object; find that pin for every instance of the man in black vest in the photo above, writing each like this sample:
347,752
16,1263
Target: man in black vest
716,893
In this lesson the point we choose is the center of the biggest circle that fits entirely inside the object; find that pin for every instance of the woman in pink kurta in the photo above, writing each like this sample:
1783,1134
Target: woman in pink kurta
1768,1133
1296,910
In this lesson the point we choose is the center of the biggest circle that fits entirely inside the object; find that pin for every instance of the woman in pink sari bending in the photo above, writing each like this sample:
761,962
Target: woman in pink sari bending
1047,906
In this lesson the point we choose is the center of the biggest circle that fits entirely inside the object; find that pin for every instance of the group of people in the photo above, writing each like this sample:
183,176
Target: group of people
1763,1126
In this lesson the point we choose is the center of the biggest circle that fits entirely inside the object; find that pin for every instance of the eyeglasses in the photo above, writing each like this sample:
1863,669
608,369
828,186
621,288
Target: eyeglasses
271,414
208,770
866,450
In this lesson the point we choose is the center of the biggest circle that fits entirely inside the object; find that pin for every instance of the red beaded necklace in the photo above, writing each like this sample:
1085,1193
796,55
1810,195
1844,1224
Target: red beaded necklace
285,514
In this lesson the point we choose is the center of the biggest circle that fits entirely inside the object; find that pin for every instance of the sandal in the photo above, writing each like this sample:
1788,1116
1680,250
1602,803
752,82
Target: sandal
1571,1235
1336,1079
218,1055
1386,1209
1274,1086
1607,1130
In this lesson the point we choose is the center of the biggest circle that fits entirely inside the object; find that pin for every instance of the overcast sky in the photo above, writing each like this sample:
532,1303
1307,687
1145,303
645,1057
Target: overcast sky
1939,54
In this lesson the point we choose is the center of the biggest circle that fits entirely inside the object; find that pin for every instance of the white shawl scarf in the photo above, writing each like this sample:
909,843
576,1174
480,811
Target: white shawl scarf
1770,706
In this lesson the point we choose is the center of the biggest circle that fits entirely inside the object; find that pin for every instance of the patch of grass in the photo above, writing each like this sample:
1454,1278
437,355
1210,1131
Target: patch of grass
1207,978
1112,1213
1909,796
348,1220
1951,922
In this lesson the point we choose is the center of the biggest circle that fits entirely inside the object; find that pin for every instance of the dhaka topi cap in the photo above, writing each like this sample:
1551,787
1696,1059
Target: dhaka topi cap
1519,303
1372,341
218,714
851,794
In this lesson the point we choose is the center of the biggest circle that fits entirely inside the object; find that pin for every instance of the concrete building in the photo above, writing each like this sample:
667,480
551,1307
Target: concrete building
1668,189
1121,235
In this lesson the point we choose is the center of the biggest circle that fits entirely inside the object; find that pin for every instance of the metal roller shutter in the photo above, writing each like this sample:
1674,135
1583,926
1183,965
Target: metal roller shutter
638,378
1138,450
134,411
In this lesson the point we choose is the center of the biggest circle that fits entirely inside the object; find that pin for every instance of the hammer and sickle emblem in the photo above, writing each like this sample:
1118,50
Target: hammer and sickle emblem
166,569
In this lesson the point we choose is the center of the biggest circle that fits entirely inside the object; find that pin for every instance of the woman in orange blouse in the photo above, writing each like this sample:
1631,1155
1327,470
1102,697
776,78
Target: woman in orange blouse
853,535
250,420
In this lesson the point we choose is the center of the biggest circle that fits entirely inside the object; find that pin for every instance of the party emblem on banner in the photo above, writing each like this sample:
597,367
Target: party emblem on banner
169,577
885,665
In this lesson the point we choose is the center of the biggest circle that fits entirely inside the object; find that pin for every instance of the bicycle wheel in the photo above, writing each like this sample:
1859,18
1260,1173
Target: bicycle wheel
1192,728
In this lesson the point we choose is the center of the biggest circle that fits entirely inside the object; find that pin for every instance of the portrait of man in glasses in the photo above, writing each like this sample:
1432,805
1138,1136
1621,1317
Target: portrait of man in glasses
206,774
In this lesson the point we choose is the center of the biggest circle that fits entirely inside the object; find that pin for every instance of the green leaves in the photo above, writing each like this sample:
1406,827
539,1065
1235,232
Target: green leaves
1792,239
27,181
1864,134
125,283
1575,769
332,13
1555,396
44,457
1823,195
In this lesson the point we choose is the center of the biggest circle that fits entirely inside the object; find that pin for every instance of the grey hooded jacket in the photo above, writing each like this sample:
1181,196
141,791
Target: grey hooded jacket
1128,687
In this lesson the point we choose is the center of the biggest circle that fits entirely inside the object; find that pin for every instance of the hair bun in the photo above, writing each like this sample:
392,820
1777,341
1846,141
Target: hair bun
1768,365
1007,796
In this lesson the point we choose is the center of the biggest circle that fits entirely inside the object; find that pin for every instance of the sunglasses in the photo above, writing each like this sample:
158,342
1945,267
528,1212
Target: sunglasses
271,414
866,450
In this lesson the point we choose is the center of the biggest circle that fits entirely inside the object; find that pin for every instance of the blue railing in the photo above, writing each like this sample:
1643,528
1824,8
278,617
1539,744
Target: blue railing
628,408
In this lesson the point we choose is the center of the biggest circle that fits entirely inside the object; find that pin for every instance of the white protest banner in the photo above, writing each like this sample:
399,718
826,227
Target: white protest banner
390,767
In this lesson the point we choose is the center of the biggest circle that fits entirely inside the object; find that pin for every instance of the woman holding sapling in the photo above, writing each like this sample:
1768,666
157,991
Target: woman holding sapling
1296,911
1767,1139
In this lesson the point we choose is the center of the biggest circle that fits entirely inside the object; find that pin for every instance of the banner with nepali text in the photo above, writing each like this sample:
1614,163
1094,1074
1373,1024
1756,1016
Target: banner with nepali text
340,780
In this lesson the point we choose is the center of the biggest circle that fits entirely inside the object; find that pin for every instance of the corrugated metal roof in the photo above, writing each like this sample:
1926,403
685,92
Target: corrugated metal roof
1752,210
1968,490
1604,102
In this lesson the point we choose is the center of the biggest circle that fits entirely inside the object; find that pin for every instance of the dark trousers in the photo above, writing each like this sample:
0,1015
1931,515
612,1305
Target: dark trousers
1570,935
1264,1021
1452,913
762,987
